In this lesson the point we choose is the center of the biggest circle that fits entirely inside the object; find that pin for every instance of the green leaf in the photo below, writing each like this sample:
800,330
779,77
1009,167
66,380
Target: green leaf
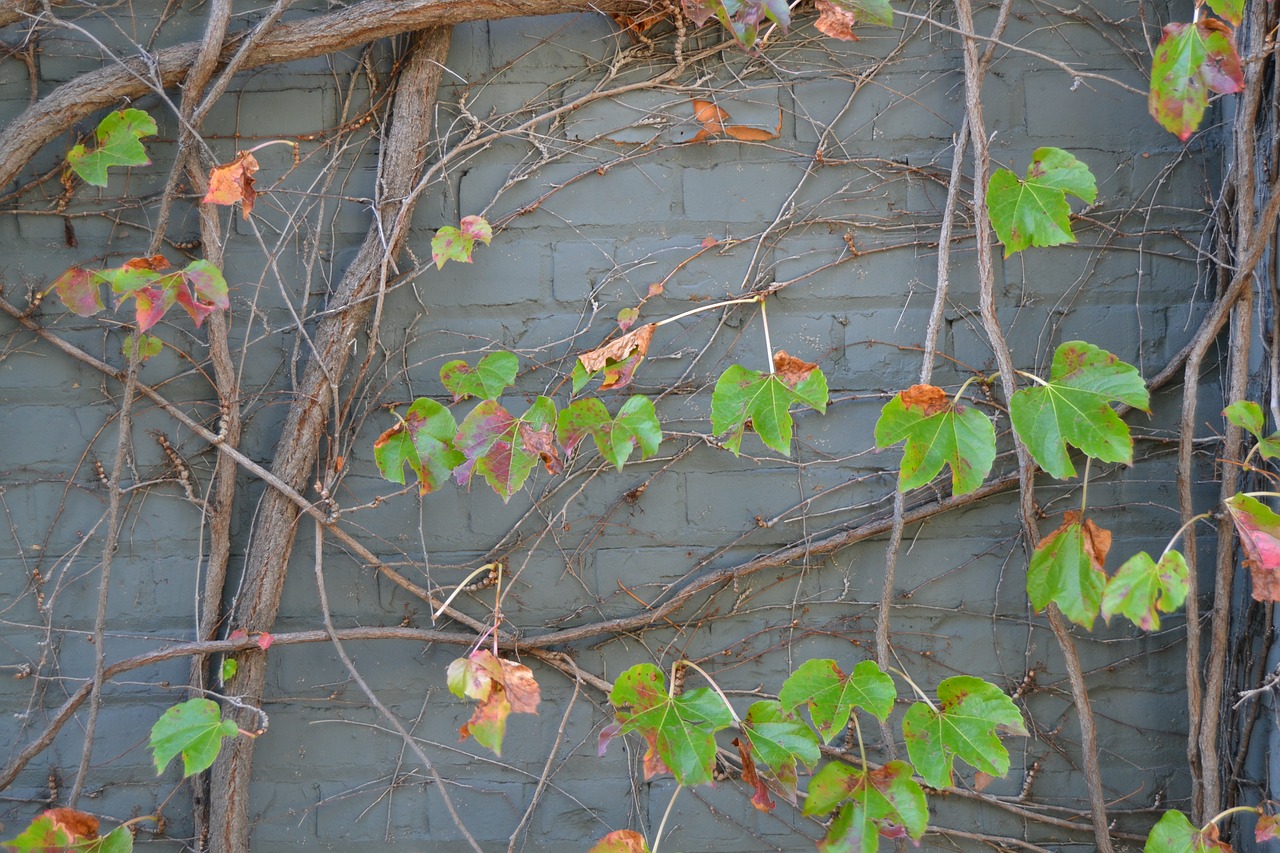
229,669
1190,61
635,426
937,433
680,730
456,244
148,346
118,143
1142,589
764,400
1073,408
118,840
424,442
505,449
495,373
963,726
41,835
1247,415
832,696
1034,212
1231,10
882,797
195,729
1173,833
781,742
1066,568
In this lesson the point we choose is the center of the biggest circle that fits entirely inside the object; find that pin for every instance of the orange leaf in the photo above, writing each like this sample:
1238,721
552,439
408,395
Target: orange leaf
835,22
610,356
621,841
790,369
929,399
77,824
760,799
232,182
155,263
746,133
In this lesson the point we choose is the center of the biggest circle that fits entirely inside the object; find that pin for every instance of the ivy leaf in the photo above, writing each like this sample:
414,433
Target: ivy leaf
1066,568
148,346
119,840
635,426
233,182
621,841
456,244
424,442
680,730
763,401
875,801
1142,589
500,686
1190,61
618,359
1231,10
1034,212
503,448
781,742
208,290
495,373
79,290
195,729
229,669
866,11
937,433
118,142
832,696
1267,829
1073,408
1173,833
964,726
1259,531
1247,415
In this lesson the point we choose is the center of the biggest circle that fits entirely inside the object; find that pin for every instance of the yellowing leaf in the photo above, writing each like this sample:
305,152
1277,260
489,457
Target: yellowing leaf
500,686
1142,589
118,143
1191,61
621,841
456,244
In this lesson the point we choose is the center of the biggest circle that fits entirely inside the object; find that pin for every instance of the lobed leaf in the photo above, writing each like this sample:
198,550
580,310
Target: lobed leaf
635,426
505,449
1173,833
1259,530
1073,408
875,802
1191,61
194,729
494,373
937,433
233,182
679,730
781,742
1066,569
1142,589
424,442
1034,211
118,142
832,696
963,726
147,346
1247,415
79,290
501,687
457,244
762,401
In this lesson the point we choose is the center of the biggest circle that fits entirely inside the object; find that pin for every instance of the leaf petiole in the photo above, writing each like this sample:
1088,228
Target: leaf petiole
269,142
1181,530
1032,377
746,300
460,587
737,721
924,697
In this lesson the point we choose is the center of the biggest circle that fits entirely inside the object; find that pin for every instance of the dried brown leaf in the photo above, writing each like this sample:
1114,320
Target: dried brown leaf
928,399
835,22
232,182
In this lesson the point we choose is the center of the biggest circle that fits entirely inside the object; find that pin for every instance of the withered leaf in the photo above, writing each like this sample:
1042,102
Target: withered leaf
500,686
790,369
928,399
155,263
612,355
1097,540
75,823
760,797
835,22
232,182
542,441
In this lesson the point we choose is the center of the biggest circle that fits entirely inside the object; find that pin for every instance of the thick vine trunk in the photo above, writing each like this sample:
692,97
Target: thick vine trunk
349,308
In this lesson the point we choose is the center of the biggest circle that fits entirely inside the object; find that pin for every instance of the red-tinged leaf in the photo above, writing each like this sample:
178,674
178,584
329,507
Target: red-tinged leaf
77,824
1191,61
542,441
502,687
627,318
233,182
760,791
621,841
265,640
1142,589
962,725
477,228
656,288
1259,530
238,634
831,696
78,290
155,263
780,742
150,304
607,734
502,448
424,442
208,290
1066,568
883,798
635,426
1173,833
618,358
1268,828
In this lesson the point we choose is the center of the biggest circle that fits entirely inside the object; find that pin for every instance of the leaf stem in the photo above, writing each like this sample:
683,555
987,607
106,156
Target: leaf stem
1233,810
657,838
956,398
262,145
1084,486
1181,530
716,687
1032,377
768,345
916,687
724,304
458,589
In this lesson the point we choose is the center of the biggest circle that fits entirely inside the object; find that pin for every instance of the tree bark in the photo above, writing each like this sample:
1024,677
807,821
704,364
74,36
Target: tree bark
349,308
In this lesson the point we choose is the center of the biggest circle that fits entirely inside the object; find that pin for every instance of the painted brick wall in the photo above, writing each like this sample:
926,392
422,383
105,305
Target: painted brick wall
593,207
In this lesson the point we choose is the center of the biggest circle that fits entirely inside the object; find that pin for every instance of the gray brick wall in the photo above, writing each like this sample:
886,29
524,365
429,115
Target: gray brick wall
609,199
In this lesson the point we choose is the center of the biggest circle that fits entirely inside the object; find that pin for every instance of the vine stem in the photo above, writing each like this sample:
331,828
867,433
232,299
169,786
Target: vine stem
745,300
716,687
